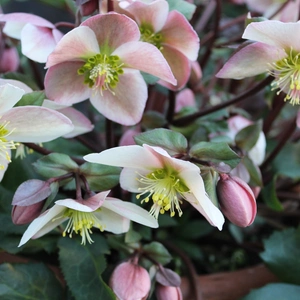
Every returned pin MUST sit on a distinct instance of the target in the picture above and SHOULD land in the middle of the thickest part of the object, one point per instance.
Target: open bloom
(26, 124)
(275, 51)
(100, 60)
(38, 36)
(170, 32)
(99, 211)
(153, 173)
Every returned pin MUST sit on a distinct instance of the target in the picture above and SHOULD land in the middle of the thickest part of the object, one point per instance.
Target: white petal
(131, 211)
(9, 96)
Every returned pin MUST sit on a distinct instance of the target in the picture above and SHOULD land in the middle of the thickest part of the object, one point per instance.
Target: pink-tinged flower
(100, 60)
(154, 174)
(99, 211)
(237, 200)
(128, 137)
(9, 60)
(38, 36)
(129, 281)
(185, 98)
(275, 51)
(26, 124)
(168, 292)
(170, 32)
(289, 13)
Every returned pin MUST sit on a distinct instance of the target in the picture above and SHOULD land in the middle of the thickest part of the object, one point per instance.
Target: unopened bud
(237, 201)
(25, 214)
(129, 281)
(168, 292)
(87, 7)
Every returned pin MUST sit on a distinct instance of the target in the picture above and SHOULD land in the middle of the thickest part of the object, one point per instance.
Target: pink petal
(9, 96)
(35, 124)
(64, 85)
(274, 33)
(78, 44)
(180, 66)
(185, 98)
(154, 14)
(251, 60)
(112, 30)
(37, 42)
(179, 34)
(126, 105)
(147, 58)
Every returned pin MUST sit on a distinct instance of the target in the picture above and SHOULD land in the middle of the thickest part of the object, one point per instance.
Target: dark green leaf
(269, 196)
(28, 281)
(100, 177)
(82, 267)
(282, 253)
(275, 291)
(247, 137)
(158, 252)
(153, 119)
(219, 155)
(171, 141)
(33, 98)
(186, 8)
(254, 172)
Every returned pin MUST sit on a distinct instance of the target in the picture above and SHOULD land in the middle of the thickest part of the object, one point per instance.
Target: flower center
(5, 145)
(148, 35)
(81, 222)
(102, 71)
(287, 76)
(165, 188)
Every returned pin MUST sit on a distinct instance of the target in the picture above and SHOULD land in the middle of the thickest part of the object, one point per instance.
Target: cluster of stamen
(6, 145)
(287, 76)
(149, 36)
(102, 72)
(82, 223)
(165, 188)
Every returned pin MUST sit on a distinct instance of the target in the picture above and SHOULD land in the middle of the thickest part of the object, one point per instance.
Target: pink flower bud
(129, 281)
(88, 7)
(9, 61)
(25, 214)
(168, 292)
(237, 201)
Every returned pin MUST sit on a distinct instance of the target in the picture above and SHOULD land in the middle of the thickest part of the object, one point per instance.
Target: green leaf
(247, 137)
(54, 165)
(269, 196)
(33, 98)
(82, 267)
(171, 141)
(100, 177)
(158, 252)
(186, 8)
(254, 172)
(28, 281)
(210, 179)
(275, 291)
(282, 254)
(219, 155)
(199, 229)
(153, 119)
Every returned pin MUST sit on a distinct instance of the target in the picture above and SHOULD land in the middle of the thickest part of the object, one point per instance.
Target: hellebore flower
(100, 211)
(152, 172)
(129, 281)
(289, 13)
(163, 292)
(26, 124)
(101, 60)
(275, 51)
(170, 32)
(38, 36)
(237, 200)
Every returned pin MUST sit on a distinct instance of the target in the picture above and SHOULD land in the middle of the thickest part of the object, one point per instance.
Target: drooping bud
(25, 214)
(168, 292)
(129, 281)
(87, 7)
(237, 201)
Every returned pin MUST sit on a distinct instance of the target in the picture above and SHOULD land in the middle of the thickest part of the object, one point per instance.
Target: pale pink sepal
(9, 96)
(16, 83)
(126, 105)
(176, 30)
(251, 60)
(81, 43)
(4, 164)
(35, 124)
(147, 58)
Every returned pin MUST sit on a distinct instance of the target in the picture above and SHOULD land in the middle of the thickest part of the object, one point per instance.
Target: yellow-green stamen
(102, 71)
(287, 76)
(148, 35)
(166, 188)
(82, 223)
(5, 145)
